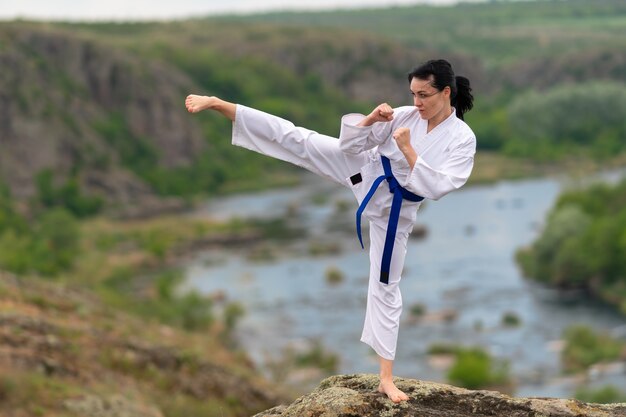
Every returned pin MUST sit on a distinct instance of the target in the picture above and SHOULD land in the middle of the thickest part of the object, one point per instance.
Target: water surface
(464, 265)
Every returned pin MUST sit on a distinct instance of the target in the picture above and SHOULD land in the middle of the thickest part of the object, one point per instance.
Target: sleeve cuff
(406, 183)
(352, 119)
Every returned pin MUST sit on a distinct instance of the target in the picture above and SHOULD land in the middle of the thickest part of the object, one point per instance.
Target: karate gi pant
(320, 154)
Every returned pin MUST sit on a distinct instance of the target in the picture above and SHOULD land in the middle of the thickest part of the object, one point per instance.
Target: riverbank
(463, 271)
(490, 167)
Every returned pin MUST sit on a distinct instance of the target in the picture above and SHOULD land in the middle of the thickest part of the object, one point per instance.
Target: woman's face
(429, 101)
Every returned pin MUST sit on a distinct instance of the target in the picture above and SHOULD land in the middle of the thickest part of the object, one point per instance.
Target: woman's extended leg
(279, 138)
(320, 154)
(384, 306)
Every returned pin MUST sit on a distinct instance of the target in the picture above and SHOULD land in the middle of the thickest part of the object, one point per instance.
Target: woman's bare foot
(388, 388)
(196, 103)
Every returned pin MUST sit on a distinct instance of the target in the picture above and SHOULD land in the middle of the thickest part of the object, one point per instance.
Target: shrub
(584, 347)
(475, 369)
(334, 275)
(318, 357)
(604, 395)
(511, 319)
(68, 196)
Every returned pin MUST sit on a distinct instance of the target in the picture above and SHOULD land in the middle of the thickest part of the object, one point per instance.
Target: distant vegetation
(549, 76)
(604, 395)
(585, 347)
(549, 80)
(46, 245)
(474, 367)
(500, 33)
(583, 244)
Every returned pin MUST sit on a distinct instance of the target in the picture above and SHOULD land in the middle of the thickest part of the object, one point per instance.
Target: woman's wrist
(367, 121)
(410, 155)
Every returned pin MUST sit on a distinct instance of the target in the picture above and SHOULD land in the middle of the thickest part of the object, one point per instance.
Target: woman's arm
(434, 183)
(402, 135)
(382, 113)
(360, 133)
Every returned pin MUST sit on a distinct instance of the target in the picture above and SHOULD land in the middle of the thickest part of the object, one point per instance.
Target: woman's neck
(439, 117)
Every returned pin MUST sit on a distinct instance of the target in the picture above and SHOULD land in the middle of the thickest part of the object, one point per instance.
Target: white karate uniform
(444, 163)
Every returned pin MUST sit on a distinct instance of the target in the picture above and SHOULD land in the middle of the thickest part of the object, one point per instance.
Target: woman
(422, 151)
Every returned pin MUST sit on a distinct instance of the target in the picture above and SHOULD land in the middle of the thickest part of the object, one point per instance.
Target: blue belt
(399, 194)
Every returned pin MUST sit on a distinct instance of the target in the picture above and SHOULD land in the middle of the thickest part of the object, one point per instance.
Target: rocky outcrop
(356, 396)
(76, 106)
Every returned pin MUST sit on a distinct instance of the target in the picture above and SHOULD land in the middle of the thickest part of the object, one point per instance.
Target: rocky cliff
(356, 396)
(74, 106)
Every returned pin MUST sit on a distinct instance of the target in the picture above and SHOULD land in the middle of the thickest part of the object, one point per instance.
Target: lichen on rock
(357, 396)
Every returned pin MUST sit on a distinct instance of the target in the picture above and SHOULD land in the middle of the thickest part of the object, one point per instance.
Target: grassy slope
(67, 354)
(109, 332)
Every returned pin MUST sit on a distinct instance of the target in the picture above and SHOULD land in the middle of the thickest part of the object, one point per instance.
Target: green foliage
(136, 153)
(33, 393)
(511, 319)
(490, 123)
(442, 349)
(277, 228)
(179, 405)
(67, 196)
(544, 124)
(48, 246)
(232, 313)
(567, 119)
(552, 252)
(475, 369)
(499, 32)
(191, 310)
(211, 172)
(417, 310)
(316, 356)
(334, 275)
(583, 244)
(605, 395)
(55, 242)
(10, 220)
(584, 347)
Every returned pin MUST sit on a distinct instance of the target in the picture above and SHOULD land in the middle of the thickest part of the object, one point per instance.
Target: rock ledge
(356, 396)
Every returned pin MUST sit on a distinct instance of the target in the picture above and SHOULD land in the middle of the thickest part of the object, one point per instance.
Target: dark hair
(443, 76)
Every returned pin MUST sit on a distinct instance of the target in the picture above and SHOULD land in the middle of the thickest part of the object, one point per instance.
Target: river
(464, 265)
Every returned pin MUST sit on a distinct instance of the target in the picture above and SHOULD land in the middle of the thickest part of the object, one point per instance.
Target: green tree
(568, 118)
(583, 244)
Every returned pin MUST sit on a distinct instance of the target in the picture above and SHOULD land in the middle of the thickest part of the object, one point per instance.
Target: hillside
(92, 112)
(501, 35)
(64, 353)
(82, 110)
